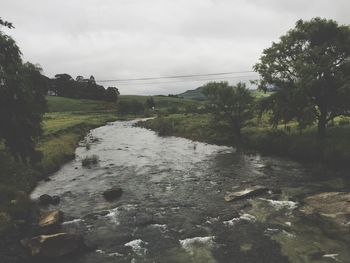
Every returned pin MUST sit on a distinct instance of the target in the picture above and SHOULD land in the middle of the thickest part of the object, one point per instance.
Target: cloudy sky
(119, 39)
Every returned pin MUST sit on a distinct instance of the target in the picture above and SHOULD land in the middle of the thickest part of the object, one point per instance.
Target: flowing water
(173, 208)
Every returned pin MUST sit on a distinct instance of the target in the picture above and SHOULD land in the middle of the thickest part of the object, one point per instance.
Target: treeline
(80, 88)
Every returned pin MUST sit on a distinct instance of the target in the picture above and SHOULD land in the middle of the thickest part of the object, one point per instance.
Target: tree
(232, 104)
(150, 104)
(22, 101)
(112, 94)
(310, 69)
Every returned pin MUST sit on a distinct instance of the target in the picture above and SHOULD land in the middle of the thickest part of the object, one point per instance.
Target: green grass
(61, 104)
(163, 102)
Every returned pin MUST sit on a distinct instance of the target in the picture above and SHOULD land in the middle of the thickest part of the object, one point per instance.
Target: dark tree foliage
(232, 104)
(310, 70)
(22, 101)
(65, 86)
(150, 104)
(112, 94)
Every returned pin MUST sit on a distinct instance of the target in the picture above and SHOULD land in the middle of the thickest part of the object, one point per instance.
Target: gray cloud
(115, 39)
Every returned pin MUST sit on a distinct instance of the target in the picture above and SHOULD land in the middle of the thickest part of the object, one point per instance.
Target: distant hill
(195, 94)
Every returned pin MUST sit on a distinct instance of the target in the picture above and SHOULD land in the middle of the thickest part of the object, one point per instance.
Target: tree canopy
(112, 94)
(232, 104)
(22, 100)
(81, 88)
(309, 69)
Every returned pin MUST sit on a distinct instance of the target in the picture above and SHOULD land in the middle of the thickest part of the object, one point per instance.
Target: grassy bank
(334, 150)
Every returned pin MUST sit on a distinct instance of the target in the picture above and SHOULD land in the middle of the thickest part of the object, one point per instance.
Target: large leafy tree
(231, 104)
(309, 67)
(112, 94)
(22, 100)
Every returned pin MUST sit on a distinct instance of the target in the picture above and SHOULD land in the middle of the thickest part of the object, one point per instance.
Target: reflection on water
(172, 208)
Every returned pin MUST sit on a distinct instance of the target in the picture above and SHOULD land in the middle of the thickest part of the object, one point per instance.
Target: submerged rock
(52, 246)
(248, 192)
(50, 219)
(46, 200)
(333, 205)
(55, 200)
(143, 219)
(113, 193)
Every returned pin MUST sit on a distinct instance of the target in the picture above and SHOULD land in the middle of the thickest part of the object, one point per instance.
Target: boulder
(51, 218)
(45, 199)
(113, 193)
(332, 205)
(246, 193)
(55, 200)
(52, 246)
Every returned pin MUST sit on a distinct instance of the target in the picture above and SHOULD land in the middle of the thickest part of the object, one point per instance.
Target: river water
(173, 208)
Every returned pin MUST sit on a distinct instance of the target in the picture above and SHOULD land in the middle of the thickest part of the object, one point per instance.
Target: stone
(53, 246)
(45, 199)
(333, 205)
(55, 200)
(246, 193)
(113, 193)
(143, 219)
(51, 218)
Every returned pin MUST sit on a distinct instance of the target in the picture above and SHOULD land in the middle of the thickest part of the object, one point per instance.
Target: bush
(344, 122)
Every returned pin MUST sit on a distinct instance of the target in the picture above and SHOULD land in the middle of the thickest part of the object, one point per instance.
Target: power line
(176, 76)
(185, 80)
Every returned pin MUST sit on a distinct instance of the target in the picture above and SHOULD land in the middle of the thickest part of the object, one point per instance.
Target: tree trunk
(237, 131)
(321, 127)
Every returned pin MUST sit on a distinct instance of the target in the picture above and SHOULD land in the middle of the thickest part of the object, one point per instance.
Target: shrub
(344, 122)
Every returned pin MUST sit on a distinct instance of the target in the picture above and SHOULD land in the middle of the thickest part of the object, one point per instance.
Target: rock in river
(248, 192)
(51, 218)
(52, 246)
(333, 205)
(113, 193)
(46, 200)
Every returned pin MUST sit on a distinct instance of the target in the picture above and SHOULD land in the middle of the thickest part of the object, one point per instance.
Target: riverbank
(334, 150)
(62, 132)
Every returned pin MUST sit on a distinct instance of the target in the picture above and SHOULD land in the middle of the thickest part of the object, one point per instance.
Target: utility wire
(185, 80)
(176, 76)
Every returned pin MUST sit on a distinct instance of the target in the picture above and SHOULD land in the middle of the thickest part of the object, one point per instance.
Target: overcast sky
(116, 39)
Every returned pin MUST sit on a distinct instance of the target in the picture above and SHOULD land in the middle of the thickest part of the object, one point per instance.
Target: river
(173, 208)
